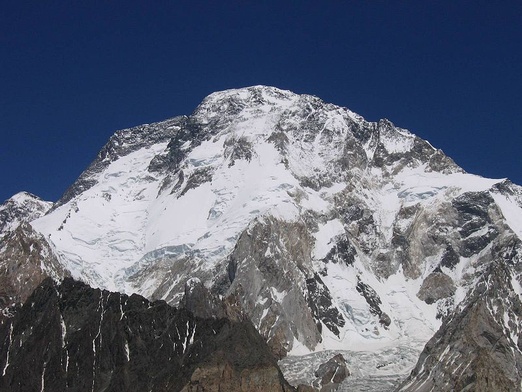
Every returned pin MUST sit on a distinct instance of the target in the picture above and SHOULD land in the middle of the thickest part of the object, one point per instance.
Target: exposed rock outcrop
(25, 261)
(437, 285)
(275, 302)
(331, 374)
(478, 346)
(26, 258)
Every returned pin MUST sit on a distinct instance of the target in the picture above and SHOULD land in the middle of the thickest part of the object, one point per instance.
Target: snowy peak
(319, 131)
(326, 230)
(22, 207)
(234, 100)
(324, 135)
(243, 154)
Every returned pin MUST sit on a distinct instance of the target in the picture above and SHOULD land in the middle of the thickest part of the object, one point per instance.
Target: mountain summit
(329, 233)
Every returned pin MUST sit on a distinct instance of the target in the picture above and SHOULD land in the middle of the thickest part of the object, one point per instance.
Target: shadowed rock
(71, 337)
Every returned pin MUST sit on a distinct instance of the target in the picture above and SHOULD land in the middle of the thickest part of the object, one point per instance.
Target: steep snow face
(330, 231)
(101, 231)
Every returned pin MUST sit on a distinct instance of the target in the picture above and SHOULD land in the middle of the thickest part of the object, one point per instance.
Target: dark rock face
(196, 179)
(373, 300)
(342, 252)
(420, 151)
(71, 337)
(450, 258)
(320, 302)
(474, 216)
(332, 373)
(200, 301)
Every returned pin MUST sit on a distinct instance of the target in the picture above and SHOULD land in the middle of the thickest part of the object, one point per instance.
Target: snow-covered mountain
(328, 232)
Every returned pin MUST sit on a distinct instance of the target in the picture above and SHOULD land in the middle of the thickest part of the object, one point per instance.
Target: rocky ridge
(71, 337)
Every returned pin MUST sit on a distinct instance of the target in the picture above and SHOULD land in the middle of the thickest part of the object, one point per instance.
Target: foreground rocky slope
(478, 347)
(26, 258)
(327, 231)
(71, 337)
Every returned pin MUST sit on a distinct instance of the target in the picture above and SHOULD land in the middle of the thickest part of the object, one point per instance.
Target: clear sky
(72, 72)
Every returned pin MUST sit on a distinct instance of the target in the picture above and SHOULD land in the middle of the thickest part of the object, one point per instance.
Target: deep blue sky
(71, 72)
